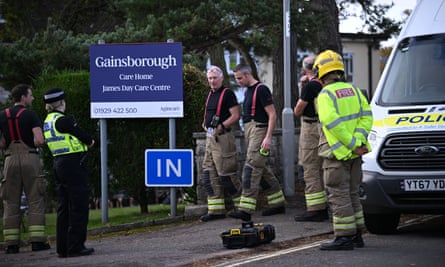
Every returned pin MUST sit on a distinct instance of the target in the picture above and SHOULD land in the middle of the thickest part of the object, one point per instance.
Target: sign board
(142, 80)
(169, 167)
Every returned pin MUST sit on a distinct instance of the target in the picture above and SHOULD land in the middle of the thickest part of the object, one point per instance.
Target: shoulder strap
(14, 131)
(218, 108)
(252, 110)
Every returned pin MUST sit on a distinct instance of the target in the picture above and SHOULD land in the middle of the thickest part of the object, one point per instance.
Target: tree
(25, 18)
(316, 31)
(251, 27)
(373, 16)
(207, 26)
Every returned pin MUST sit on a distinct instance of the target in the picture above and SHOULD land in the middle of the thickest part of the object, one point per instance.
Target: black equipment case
(249, 235)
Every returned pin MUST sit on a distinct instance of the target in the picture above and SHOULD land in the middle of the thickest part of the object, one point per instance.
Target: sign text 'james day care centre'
(141, 80)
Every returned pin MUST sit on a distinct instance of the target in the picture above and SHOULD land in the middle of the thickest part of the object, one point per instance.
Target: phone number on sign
(114, 110)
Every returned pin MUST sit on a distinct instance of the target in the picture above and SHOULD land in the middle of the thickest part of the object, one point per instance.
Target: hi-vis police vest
(346, 119)
(60, 143)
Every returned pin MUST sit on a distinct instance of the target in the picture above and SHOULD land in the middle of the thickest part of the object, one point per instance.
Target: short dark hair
(20, 90)
(242, 68)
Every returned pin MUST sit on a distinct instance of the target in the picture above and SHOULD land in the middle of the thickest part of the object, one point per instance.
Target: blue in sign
(169, 167)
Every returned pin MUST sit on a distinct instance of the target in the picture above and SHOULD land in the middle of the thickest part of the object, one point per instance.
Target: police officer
(219, 166)
(259, 118)
(315, 194)
(22, 134)
(68, 144)
(346, 120)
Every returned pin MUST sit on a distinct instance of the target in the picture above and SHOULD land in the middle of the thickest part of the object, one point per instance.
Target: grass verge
(116, 216)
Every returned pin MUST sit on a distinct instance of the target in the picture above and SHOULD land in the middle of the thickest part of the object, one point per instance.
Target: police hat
(53, 95)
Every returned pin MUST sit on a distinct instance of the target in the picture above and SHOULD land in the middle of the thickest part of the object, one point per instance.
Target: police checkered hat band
(53, 95)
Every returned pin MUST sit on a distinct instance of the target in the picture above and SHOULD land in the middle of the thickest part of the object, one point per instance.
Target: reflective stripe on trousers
(247, 204)
(275, 199)
(215, 205)
(36, 231)
(316, 199)
(11, 235)
(346, 224)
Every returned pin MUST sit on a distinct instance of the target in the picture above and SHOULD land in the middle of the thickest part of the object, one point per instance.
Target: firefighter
(259, 117)
(314, 191)
(219, 166)
(68, 144)
(22, 134)
(346, 119)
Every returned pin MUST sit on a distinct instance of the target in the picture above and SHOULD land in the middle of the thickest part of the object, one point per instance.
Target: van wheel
(381, 224)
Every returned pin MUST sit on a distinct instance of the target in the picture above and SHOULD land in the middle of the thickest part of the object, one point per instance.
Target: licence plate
(424, 184)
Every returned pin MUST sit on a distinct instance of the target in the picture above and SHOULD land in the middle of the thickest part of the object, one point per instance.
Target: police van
(405, 172)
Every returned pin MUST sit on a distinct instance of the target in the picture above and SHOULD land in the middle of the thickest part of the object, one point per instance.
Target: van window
(417, 73)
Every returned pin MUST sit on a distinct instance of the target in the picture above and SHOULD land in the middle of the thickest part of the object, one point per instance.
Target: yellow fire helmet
(328, 61)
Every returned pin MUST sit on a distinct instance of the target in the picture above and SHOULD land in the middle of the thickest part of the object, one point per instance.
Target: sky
(396, 12)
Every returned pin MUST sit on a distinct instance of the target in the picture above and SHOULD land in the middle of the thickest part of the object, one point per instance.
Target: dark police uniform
(68, 145)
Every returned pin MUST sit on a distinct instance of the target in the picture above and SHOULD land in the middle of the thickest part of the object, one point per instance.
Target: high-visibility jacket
(346, 118)
(60, 143)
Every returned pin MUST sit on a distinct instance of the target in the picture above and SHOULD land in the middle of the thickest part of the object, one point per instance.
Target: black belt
(225, 130)
(258, 125)
(310, 121)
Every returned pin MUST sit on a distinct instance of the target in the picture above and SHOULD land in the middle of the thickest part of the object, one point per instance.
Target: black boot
(38, 246)
(12, 249)
(357, 240)
(313, 216)
(211, 217)
(273, 211)
(83, 252)
(240, 215)
(339, 243)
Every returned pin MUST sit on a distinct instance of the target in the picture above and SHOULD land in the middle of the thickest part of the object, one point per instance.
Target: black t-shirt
(28, 120)
(263, 98)
(228, 101)
(309, 92)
